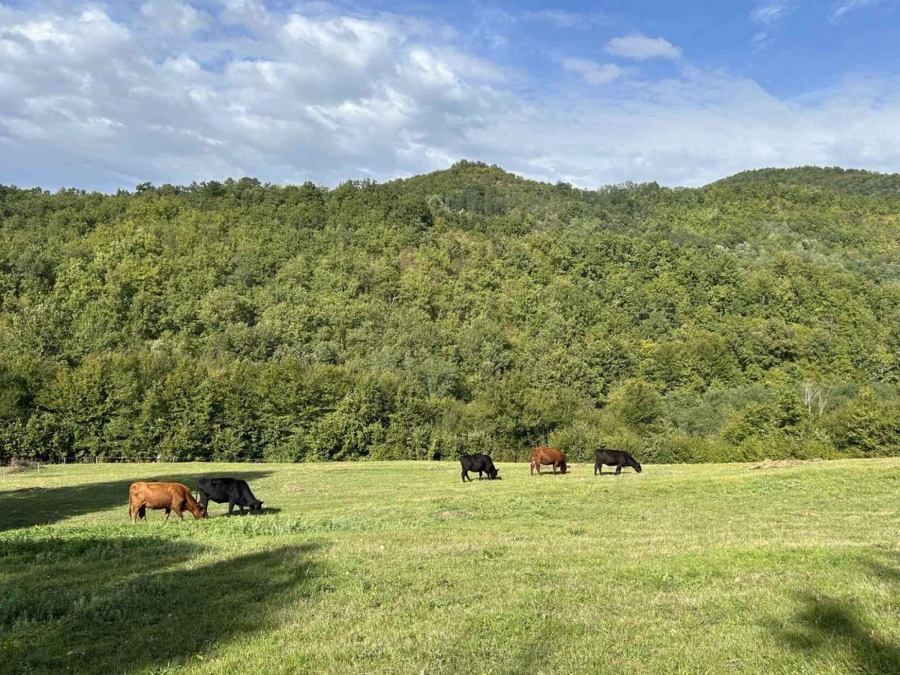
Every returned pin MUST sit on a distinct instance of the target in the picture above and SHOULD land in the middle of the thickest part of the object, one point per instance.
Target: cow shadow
(26, 507)
(135, 602)
(826, 627)
(222, 511)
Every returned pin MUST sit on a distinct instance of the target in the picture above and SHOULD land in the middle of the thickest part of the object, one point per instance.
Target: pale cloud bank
(593, 73)
(93, 101)
(566, 19)
(772, 11)
(641, 48)
(843, 6)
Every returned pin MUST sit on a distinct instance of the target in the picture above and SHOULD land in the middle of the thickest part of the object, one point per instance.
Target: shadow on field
(222, 511)
(109, 605)
(830, 626)
(40, 506)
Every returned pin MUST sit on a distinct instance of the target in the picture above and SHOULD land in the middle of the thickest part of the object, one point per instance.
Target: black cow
(479, 463)
(233, 491)
(616, 458)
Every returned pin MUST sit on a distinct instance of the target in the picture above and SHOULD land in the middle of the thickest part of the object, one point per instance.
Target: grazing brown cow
(545, 456)
(169, 496)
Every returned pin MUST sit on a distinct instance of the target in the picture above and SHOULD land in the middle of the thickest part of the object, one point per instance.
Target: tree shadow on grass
(110, 605)
(40, 506)
(828, 627)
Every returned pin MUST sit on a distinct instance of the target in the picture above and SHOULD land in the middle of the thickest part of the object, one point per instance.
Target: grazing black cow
(479, 463)
(616, 458)
(233, 491)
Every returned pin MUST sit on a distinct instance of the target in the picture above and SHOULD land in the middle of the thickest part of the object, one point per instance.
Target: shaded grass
(399, 567)
(37, 504)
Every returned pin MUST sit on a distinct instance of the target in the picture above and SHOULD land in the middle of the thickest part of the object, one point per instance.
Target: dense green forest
(468, 310)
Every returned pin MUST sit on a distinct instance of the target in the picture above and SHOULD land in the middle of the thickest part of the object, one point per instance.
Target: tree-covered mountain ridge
(466, 310)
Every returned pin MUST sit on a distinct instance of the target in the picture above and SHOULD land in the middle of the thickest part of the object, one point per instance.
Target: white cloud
(760, 41)
(325, 96)
(843, 6)
(83, 35)
(771, 11)
(641, 48)
(174, 16)
(566, 19)
(593, 73)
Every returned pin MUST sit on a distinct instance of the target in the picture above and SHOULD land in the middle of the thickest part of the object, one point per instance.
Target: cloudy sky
(103, 95)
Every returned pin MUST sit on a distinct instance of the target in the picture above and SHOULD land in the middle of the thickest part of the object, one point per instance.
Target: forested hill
(467, 310)
(847, 181)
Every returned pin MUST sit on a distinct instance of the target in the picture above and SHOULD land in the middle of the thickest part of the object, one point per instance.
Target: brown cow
(545, 456)
(169, 496)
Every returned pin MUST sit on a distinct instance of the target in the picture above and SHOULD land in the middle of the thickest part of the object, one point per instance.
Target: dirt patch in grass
(780, 463)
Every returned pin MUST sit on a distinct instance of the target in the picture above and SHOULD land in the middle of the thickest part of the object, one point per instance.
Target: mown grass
(400, 568)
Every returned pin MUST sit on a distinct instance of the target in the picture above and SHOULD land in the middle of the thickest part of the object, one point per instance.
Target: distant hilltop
(847, 181)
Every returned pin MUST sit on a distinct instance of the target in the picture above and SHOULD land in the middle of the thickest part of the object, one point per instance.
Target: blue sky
(103, 95)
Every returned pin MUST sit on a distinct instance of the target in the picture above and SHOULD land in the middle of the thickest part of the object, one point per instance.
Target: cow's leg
(230, 508)
(598, 469)
(532, 468)
(463, 474)
(554, 468)
(142, 512)
(619, 468)
(168, 511)
(132, 512)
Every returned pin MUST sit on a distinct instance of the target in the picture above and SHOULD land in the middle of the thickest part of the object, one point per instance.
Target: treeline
(467, 310)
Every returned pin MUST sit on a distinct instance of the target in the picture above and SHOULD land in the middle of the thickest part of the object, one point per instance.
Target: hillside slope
(845, 181)
(463, 310)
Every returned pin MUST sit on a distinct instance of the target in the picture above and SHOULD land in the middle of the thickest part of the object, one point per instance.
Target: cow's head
(635, 465)
(198, 511)
(563, 467)
(256, 507)
(492, 474)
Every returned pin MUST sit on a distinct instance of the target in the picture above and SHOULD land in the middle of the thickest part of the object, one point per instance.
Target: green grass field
(400, 568)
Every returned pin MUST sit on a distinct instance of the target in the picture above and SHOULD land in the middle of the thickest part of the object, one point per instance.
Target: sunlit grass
(401, 568)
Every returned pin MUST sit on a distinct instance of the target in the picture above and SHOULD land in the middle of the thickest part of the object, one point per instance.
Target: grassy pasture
(400, 568)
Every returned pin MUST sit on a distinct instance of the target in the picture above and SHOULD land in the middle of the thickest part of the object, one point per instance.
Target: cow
(616, 458)
(233, 491)
(479, 463)
(169, 496)
(543, 456)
